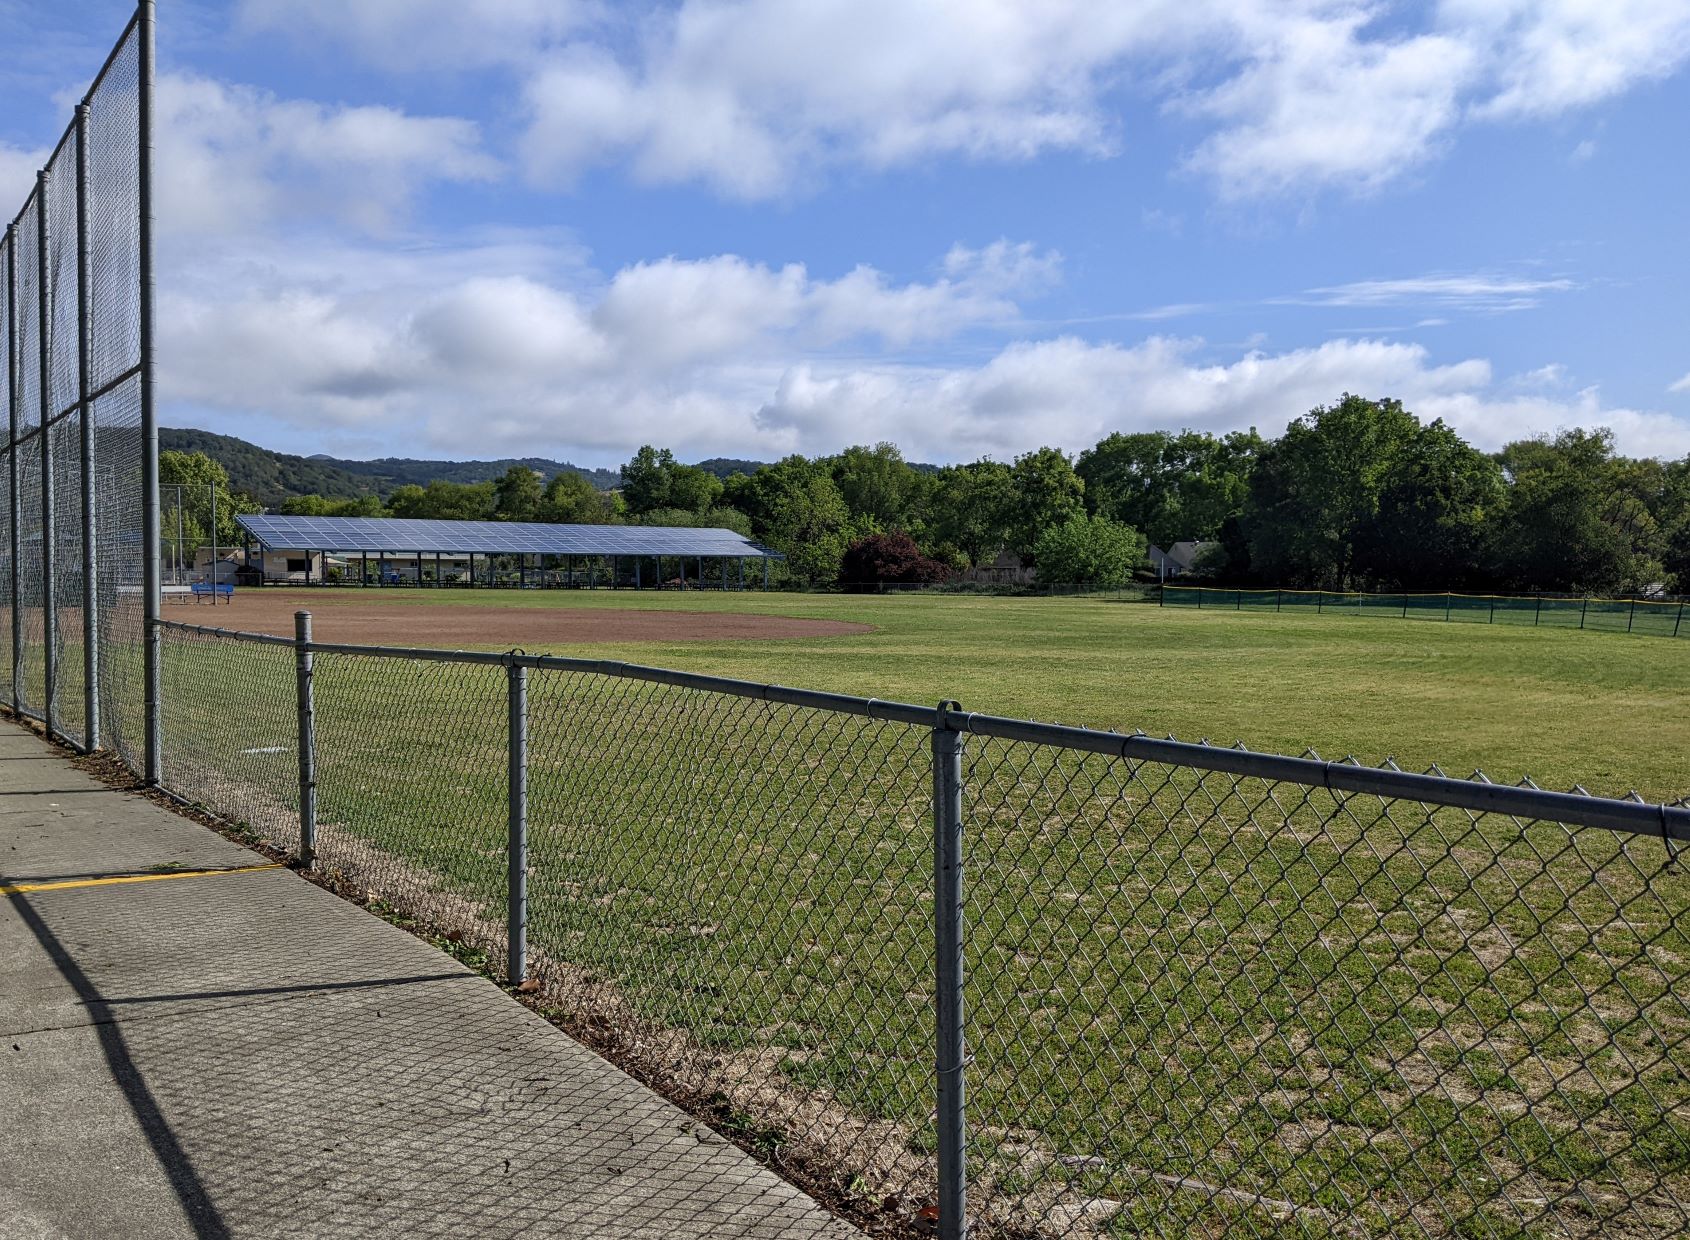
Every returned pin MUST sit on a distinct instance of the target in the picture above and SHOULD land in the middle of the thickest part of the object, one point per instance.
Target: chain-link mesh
(1207, 1004)
(738, 895)
(1196, 1003)
(75, 314)
(229, 711)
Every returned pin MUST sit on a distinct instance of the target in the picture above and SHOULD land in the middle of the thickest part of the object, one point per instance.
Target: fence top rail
(1525, 802)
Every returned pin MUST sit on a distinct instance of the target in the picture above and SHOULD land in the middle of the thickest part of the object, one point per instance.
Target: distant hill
(724, 466)
(270, 477)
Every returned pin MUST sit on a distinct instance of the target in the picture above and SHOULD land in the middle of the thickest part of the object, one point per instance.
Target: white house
(1178, 560)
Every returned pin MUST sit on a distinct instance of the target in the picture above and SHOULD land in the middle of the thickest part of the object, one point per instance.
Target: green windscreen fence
(1652, 617)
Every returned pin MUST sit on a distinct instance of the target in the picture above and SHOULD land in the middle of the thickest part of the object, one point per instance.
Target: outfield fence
(1055, 981)
(1652, 616)
(80, 455)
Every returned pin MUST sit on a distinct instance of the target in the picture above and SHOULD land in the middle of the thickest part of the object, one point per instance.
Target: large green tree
(655, 479)
(795, 506)
(1578, 517)
(1170, 486)
(517, 495)
(572, 499)
(1048, 493)
(1088, 550)
(318, 506)
(1435, 500)
(186, 481)
(1314, 493)
(443, 501)
(972, 508)
(878, 484)
(1675, 525)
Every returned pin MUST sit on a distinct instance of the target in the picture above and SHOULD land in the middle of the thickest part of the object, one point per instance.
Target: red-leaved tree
(889, 559)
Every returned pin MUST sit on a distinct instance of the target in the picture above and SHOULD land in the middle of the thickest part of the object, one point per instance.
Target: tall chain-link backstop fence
(80, 454)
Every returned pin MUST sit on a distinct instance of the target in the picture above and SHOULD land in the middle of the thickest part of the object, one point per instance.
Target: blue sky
(482, 227)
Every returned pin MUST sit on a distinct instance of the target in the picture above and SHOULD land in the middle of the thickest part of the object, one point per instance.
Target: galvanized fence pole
(13, 391)
(44, 338)
(84, 383)
(1631, 615)
(151, 591)
(948, 977)
(1676, 623)
(1584, 609)
(1537, 616)
(516, 926)
(303, 673)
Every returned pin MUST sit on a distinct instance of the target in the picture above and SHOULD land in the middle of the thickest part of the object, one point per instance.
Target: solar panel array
(409, 537)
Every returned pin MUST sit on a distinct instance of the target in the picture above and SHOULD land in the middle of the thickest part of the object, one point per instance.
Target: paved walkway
(243, 1054)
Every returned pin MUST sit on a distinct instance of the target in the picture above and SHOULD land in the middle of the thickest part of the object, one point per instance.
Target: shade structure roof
(409, 537)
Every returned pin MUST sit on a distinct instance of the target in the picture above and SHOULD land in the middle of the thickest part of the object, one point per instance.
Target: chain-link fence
(78, 458)
(1653, 617)
(1100, 984)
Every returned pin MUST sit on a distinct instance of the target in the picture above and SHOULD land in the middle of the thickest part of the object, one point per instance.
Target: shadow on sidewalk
(297, 1077)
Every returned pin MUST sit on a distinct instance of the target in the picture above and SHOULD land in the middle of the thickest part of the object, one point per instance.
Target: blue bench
(213, 590)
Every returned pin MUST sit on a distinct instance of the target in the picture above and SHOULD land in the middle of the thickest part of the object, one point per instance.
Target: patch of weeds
(744, 1127)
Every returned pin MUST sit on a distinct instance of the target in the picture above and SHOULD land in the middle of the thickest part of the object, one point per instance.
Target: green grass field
(1199, 1006)
(1561, 706)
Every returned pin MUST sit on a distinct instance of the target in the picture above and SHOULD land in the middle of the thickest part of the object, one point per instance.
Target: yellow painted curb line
(21, 888)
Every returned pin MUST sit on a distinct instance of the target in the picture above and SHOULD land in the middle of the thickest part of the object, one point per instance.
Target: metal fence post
(1631, 615)
(303, 671)
(13, 390)
(948, 979)
(151, 593)
(1537, 616)
(84, 382)
(44, 339)
(1584, 609)
(1676, 623)
(516, 927)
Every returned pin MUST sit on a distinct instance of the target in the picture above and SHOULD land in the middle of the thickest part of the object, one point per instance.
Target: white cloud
(18, 167)
(1554, 55)
(1319, 103)
(484, 351)
(1683, 385)
(756, 97)
(752, 95)
(1475, 291)
(424, 34)
(235, 158)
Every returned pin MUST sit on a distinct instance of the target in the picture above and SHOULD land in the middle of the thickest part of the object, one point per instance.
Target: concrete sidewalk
(243, 1054)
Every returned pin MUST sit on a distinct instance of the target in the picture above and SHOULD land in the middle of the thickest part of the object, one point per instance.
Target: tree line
(1359, 494)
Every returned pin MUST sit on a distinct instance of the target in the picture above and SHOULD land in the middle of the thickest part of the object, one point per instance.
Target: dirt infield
(348, 616)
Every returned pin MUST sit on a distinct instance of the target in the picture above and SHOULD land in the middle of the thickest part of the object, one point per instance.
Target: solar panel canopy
(409, 537)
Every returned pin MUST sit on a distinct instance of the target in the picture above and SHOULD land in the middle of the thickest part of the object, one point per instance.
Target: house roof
(396, 534)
